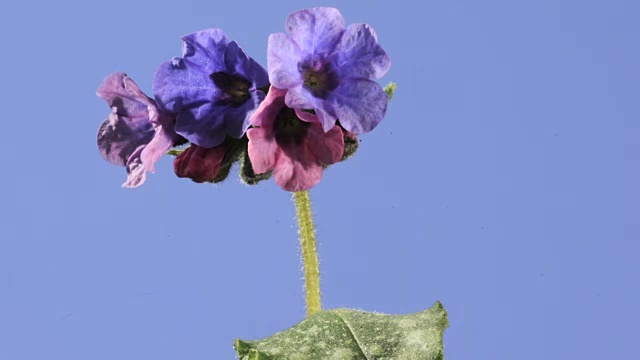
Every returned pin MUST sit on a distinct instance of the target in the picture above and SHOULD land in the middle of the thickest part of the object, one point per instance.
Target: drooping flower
(330, 69)
(136, 134)
(213, 88)
(292, 143)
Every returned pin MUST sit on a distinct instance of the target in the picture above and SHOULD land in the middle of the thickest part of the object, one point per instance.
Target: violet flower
(213, 88)
(135, 134)
(330, 69)
(292, 143)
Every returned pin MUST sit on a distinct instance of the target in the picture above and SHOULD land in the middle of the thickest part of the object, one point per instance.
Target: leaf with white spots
(346, 334)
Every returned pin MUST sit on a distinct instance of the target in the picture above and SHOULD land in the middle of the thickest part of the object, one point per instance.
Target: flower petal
(269, 108)
(316, 30)
(307, 116)
(237, 119)
(359, 55)
(300, 98)
(283, 56)
(326, 119)
(202, 125)
(359, 104)
(124, 96)
(238, 63)
(178, 85)
(263, 149)
(163, 140)
(119, 136)
(136, 172)
(297, 169)
(327, 147)
(205, 50)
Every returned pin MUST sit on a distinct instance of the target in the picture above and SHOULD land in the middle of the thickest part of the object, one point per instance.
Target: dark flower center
(289, 130)
(318, 78)
(235, 88)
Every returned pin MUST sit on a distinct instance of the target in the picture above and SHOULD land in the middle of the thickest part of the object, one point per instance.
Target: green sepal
(176, 152)
(354, 335)
(351, 144)
(247, 174)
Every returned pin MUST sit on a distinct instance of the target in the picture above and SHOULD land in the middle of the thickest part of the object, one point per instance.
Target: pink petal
(158, 146)
(297, 170)
(263, 149)
(266, 113)
(327, 147)
(136, 172)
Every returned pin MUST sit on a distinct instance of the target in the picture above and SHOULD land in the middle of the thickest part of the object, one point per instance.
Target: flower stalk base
(309, 252)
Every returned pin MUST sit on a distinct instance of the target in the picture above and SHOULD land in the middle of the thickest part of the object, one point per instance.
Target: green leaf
(390, 89)
(354, 335)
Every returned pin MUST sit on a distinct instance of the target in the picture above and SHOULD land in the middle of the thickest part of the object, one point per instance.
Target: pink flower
(292, 143)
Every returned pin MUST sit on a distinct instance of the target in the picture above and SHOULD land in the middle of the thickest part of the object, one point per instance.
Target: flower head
(292, 143)
(213, 88)
(330, 68)
(135, 134)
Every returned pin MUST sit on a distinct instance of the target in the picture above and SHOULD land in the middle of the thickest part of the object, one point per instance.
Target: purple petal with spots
(177, 86)
(283, 56)
(359, 55)
(359, 104)
(205, 49)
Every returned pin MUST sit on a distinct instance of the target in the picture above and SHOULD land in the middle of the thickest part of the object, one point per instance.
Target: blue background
(503, 182)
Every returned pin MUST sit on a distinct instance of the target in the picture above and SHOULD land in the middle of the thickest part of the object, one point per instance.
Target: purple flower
(330, 69)
(135, 134)
(292, 143)
(213, 88)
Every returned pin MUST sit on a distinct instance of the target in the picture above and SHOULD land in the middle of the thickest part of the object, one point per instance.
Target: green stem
(309, 252)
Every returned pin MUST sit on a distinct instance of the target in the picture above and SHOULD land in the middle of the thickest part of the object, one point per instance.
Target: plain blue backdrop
(503, 182)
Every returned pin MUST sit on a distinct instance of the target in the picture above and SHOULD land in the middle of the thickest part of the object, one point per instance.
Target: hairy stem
(309, 252)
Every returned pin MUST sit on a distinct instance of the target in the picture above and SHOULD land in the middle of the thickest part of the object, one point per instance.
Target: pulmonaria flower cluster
(291, 121)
